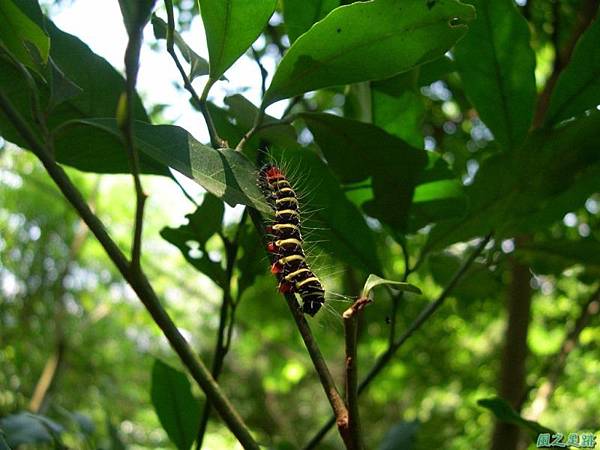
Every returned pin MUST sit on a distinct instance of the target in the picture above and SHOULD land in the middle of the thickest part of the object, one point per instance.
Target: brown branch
(125, 118)
(215, 140)
(136, 279)
(333, 396)
(425, 314)
(350, 333)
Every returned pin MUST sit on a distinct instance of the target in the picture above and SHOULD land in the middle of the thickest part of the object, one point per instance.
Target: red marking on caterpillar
(290, 266)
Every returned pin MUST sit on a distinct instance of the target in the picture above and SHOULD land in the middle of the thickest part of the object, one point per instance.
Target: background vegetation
(451, 145)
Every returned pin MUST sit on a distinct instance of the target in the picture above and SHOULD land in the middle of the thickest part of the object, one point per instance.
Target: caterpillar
(289, 266)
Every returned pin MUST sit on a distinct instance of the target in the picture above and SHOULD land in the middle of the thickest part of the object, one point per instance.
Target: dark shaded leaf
(191, 238)
(136, 13)
(61, 87)
(392, 37)
(401, 436)
(300, 15)
(496, 64)
(578, 87)
(198, 65)
(177, 409)
(252, 261)
(356, 151)
(231, 27)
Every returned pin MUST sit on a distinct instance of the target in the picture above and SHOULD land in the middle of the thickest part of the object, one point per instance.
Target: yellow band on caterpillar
(287, 259)
(308, 280)
(286, 189)
(286, 199)
(297, 272)
(287, 211)
(281, 226)
(284, 242)
(278, 182)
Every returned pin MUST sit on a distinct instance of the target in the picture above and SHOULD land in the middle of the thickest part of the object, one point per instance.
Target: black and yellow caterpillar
(289, 266)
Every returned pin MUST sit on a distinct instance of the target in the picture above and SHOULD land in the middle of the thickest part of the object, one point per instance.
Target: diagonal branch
(425, 314)
(136, 279)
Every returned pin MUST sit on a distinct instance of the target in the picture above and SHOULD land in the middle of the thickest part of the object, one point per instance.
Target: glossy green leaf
(22, 37)
(300, 15)
(198, 65)
(231, 27)
(401, 436)
(373, 281)
(177, 409)
(496, 64)
(529, 189)
(191, 238)
(356, 151)
(224, 173)
(393, 37)
(505, 413)
(335, 223)
(578, 88)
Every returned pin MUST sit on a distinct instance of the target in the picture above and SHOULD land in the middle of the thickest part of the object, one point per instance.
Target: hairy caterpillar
(290, 266)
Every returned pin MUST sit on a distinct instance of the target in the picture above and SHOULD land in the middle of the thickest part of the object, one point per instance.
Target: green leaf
(300, 15)
(231, 27)
(391, 37)
(177, 409)
(191, 238)
(335, 223)
(505, 413)
(356, 151)
(22, 37)
(198, 65)
(578, 87)
(26, 428)
(251, 263)
(496, 64)
(401, 436)
(224, 173)
(116, 443)
(61, 87)
(373, 281)
(527, 190)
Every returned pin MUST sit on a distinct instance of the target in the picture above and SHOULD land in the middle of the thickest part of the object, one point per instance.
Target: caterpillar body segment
(289, 266)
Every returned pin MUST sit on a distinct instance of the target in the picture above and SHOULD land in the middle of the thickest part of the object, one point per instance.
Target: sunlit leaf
(177, 409)
(373, 281)
(496, 64)
(231, 27)
(392, 37)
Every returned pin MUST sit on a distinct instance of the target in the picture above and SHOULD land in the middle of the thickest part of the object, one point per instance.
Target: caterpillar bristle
(289, 259)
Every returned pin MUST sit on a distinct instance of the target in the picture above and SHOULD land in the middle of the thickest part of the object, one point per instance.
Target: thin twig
(255, 127)
(263, 72)
(226, 321)
(350, 333)
(331, 391)
(386, 357)
(136, 279)
(132, 56)
(200, 101)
